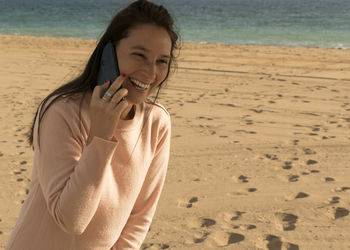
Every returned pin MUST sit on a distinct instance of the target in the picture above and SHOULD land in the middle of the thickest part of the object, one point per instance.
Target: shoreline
(185, 42)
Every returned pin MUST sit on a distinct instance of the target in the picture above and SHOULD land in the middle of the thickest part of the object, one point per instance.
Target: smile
(139, 85)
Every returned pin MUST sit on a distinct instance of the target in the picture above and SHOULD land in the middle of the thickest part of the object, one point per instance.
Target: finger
(119, 95)
(117, 84)
(121, 106)
(99, 90)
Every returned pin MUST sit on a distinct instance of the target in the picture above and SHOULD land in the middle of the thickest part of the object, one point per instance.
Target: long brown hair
(136, 13)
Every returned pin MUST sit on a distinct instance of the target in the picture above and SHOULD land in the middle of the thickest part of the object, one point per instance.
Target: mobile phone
(108, 66)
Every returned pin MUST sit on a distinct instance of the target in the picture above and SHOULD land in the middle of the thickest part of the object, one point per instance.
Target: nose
(150, 72)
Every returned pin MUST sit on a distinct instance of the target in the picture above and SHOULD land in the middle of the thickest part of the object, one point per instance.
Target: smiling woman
(100, 163)
(144, 60)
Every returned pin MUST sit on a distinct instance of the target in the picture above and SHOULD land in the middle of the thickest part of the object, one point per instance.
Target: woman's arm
(70, 174)
(140, 219)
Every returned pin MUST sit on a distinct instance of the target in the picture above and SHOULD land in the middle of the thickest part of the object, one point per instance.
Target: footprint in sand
(241, 178)
(227, 104)
(257, 110)
(275, 243)
(337, 212)
(200, 237)
(271, 157)
(208, 222)
(223, 136)
(199, 222)
(311, 162)
(189, 203)
(245, 131)
(334, 200)
(287, 165)
(205, 118)
(329, 179)
(293, 178)
(340, 212)
(249, 227)
(340, 189)
(234, 238)
(154, 246)
(223, 239)
(251, 190)
(301, 195)
(192, 200)
(286, 222)
(249, 122)
(294, 196)
(237, 215)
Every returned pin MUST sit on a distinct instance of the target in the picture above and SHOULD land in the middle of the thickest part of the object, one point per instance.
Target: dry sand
(260, 143)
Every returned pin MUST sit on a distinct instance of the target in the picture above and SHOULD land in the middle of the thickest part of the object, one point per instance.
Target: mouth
(140, 86)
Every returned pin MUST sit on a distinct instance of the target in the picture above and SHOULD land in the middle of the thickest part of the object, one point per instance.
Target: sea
(297, 23)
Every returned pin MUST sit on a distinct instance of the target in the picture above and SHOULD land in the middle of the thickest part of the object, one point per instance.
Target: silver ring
(108, 94)
(104, 98)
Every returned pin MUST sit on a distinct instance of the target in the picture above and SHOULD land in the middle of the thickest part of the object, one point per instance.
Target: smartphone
(108, 66)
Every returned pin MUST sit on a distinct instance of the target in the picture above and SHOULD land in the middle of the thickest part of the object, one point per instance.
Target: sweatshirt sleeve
(140, 219)
(70, 174)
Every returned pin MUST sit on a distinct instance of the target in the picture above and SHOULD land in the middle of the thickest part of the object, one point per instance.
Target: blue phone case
(108, 65)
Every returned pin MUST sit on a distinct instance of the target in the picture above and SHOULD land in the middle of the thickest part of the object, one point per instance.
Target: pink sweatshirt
(100, 197)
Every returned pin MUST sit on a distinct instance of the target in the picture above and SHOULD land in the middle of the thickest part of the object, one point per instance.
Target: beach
(260, 144)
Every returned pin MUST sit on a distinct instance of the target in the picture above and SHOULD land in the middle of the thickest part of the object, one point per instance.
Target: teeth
(139, 84)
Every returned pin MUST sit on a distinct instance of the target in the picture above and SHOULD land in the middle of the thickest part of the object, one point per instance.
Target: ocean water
(301, 23)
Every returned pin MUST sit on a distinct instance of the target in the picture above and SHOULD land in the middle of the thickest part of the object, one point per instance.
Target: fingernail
(107, 81)
(123, 75)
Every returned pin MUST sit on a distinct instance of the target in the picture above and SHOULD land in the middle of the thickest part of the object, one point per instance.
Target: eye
(139, 54)
(163, 61)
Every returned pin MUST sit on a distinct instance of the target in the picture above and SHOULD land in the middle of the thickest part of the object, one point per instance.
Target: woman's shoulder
(159, 113)
(65, 105)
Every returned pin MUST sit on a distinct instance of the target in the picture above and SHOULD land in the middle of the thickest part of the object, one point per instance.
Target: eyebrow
(147, 50)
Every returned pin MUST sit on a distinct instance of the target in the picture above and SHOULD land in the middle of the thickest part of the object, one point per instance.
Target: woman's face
(143, 57)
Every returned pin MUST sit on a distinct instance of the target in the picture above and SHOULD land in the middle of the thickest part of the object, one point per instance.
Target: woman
(100, 163)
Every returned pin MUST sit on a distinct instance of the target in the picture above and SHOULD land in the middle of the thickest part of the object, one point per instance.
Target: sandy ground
(260, 143)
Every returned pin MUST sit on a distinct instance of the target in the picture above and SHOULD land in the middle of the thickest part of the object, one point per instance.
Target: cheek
(126, 66)
(163, 73)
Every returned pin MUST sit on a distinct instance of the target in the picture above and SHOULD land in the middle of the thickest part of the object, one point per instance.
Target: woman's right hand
(105, 114)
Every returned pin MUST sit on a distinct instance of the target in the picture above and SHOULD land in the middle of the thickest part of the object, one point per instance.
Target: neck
(129, 112)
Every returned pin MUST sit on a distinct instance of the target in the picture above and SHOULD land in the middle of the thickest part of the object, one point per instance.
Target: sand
(260, 142)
